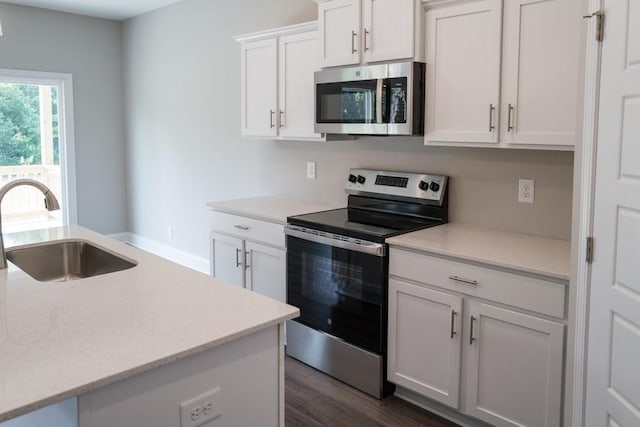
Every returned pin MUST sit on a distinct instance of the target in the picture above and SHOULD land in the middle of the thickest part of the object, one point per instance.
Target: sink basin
(66, 260)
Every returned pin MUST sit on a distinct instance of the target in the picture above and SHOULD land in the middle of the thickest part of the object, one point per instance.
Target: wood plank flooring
(315, 399)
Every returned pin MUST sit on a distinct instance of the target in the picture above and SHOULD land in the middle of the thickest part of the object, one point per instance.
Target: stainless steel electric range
(337, 272)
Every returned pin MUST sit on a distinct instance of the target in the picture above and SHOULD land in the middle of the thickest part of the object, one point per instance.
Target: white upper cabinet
(463, 72)
(339, 23)
(540, 71)
(298, 61)
(505, 73)
(277, 89)
(363, 31)
(259, 91)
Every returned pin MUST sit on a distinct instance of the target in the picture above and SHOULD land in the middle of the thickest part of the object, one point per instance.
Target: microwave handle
(379, 89)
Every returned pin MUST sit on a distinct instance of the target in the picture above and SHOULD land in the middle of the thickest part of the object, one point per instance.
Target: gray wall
(182, 74)
(91, 50)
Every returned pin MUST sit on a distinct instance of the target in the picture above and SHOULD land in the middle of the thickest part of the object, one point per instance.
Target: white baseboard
(165, 251)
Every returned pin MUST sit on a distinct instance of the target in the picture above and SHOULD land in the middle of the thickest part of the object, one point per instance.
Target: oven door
(339, 285)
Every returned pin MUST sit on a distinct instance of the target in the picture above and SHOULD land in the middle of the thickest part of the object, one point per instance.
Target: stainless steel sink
(66, 260)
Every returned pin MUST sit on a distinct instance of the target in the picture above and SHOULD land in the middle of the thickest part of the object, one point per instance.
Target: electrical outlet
(526, 190)
(311, 170)
(201, 409)
(170, 233)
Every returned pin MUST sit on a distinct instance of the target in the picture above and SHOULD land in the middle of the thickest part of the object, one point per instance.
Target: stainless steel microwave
(384, 99)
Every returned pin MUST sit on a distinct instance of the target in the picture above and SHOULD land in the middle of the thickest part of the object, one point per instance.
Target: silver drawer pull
(238, 262)
(463, 280)
(471, 337)
(241, 227)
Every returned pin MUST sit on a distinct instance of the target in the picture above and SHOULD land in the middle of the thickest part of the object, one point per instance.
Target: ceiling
(110, 9)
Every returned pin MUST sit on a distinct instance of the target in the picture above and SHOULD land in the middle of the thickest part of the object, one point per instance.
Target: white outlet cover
(526, 190)
(311, 170)
(205, 407)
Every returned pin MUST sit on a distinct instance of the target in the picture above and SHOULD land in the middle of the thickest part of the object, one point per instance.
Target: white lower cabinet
(424, 341)
(514, 367)
(448, 343)
(249, 253)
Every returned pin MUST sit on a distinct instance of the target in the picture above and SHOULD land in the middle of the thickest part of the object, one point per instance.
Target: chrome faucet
(50, 202)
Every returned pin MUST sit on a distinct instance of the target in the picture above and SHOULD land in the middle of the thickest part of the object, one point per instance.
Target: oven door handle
(348, 243)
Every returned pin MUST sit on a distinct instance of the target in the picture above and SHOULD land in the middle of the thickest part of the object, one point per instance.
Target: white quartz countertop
(272, 209)
(521, 252)
(59, 340)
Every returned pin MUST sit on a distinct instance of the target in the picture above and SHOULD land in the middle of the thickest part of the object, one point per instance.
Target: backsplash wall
(483, 188)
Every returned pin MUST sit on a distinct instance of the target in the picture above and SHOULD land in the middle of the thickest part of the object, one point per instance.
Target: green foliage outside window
(20, 125)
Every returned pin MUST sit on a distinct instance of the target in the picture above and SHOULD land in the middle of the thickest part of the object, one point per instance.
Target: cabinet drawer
(516, 290)
(247, 228)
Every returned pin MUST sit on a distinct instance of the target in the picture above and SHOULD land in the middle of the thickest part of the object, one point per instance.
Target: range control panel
(400, 184)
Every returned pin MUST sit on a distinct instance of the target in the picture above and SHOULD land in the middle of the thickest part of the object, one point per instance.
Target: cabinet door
(259, 77)
(298, 56)
(388, 29)
(463, 72)
(339, 24)
(540, 71)
(424, 341)
(227, 258)
(514, 367)
(265, 270)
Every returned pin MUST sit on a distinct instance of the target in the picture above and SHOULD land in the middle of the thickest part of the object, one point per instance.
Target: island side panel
(247, 371)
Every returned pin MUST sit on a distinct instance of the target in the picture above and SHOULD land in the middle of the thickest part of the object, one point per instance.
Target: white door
(227, 258)
(424, 341)
(613, 374)
(266, 270)
(388, 30)
(339, 25)
(259, 92)
(514, 367)
(463, 72)
(540, 60)
(298, 58)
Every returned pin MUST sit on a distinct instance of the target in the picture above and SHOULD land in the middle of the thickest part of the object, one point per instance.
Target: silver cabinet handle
(241, 227)
(238, 263)
(353, 42)
(271, 114)
(492, 109)
(471, 337)
(366, 34)
(281, 118)
(510, 117)
(463, 280)
(247, 254)
(453, 319)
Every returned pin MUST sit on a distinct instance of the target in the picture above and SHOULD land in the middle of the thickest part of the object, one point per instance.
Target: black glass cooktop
(363, 224)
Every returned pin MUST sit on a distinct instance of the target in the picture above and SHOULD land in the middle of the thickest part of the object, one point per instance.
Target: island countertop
(58, 340)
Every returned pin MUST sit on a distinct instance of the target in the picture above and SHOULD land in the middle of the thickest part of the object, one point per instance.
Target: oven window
(346, 102)
(338, 291)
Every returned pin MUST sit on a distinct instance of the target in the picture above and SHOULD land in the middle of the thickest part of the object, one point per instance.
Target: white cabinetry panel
(514, 368)
(424, 341)
(259, 75)
(463, 72)
(266, 270)
(227, 258)
(339, 22)
(387, 29)
(540, 71)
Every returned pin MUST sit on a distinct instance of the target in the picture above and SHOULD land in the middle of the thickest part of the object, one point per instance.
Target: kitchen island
(136, 344)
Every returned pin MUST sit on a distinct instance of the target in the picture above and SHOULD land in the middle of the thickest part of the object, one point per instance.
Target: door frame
(583, 208)
(64, 83)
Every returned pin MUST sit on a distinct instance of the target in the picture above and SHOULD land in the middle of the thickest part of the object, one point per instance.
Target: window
(35, 142)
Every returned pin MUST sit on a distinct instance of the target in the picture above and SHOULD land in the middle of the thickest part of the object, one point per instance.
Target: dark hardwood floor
(315, 399)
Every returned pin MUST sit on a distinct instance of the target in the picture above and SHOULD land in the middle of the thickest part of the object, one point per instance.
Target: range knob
(424, 186)
(361, 179)
(352, 178)
(434, 187)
